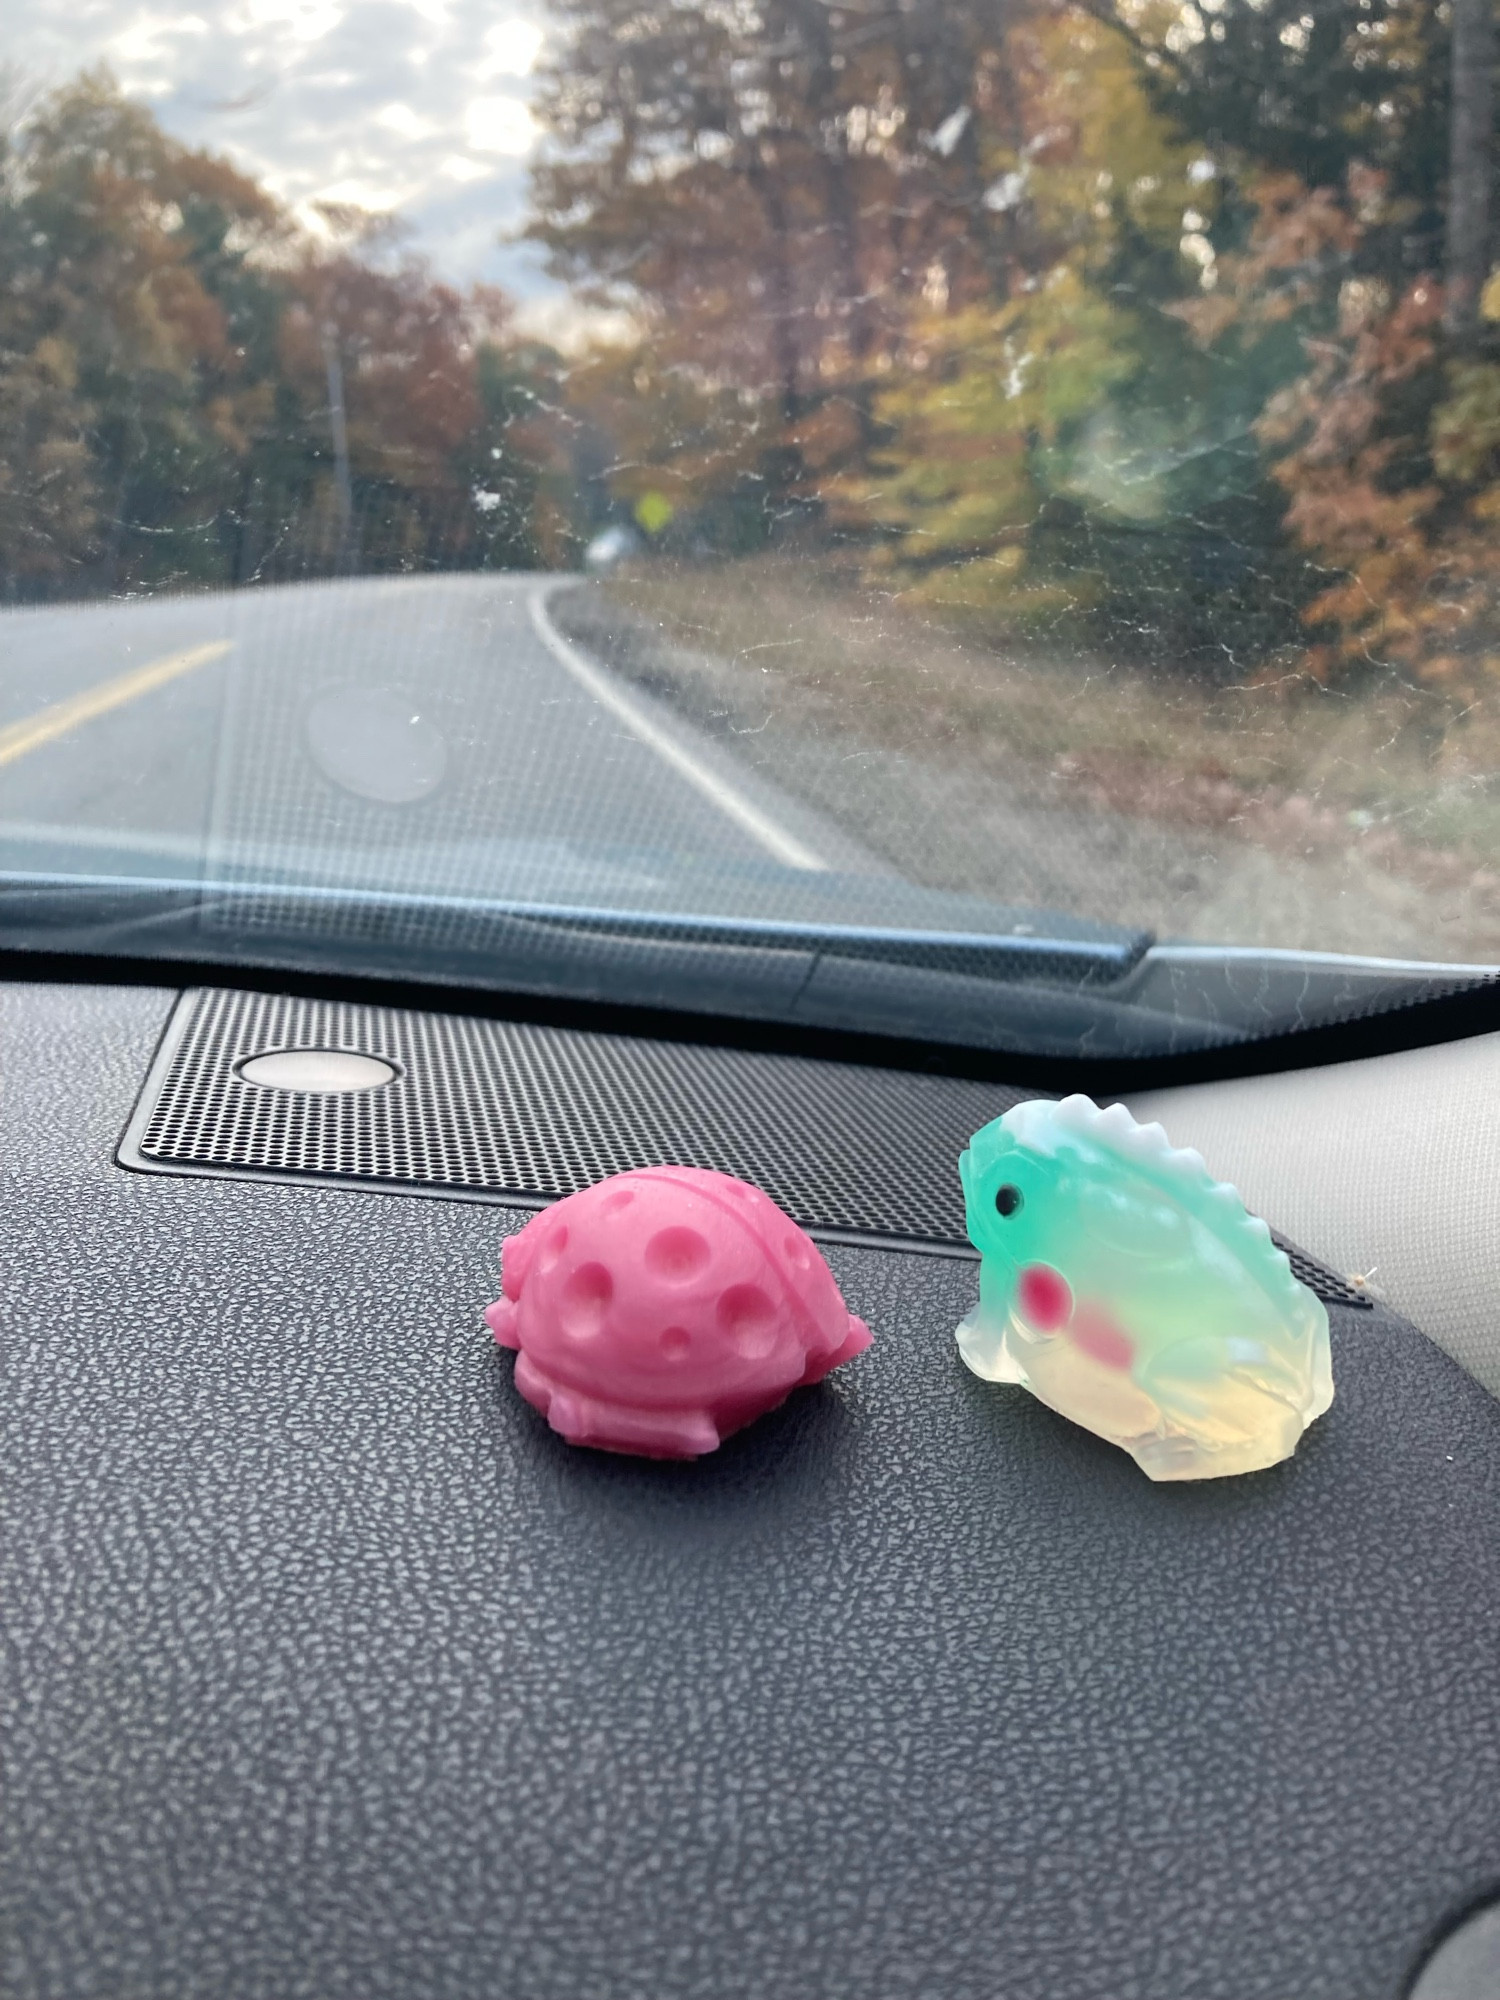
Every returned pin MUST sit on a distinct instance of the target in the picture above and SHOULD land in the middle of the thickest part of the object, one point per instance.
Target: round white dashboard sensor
(325, 1071)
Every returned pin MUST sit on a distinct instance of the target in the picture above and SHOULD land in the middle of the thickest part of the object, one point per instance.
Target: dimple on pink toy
(660, 1310)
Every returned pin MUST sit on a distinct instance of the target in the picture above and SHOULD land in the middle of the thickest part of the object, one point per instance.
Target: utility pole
(1470, 163)
(347, 558)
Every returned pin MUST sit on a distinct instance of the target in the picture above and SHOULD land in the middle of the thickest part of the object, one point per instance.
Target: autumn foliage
(1123, 324)
(1127, 325)
(169, 343)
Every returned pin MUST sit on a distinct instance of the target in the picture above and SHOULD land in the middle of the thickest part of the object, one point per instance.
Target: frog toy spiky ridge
(1132, 1292)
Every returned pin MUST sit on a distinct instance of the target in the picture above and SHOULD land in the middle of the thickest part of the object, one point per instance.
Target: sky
(418, 106)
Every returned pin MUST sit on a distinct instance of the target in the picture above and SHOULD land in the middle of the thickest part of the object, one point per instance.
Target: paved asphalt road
(408, 733)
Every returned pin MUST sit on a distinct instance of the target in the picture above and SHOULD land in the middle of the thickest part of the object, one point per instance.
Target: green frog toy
(1130, 1291)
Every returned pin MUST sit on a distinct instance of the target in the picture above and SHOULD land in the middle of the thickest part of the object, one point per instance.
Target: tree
(120, 238)
(167, 340)
(1172, 316)
(1471, 168)
(771, 192)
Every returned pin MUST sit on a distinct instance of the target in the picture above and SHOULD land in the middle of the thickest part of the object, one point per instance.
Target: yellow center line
(32, 731)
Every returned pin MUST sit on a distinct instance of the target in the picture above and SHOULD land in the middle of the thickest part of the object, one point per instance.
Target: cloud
(499, 125)
(420, 105)
(405, 123)
(510, 48)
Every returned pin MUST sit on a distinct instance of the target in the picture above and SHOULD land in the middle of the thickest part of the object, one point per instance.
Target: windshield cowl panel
(1122, 999)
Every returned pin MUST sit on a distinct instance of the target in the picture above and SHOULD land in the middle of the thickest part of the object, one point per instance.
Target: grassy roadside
(1260, 814)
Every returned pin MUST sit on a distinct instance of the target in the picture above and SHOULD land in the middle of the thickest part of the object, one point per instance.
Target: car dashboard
(332, 1671)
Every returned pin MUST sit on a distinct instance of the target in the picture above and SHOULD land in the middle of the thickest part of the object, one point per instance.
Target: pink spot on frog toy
(658, 1311)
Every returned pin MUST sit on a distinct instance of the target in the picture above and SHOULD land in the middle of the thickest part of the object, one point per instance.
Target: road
(408, 734)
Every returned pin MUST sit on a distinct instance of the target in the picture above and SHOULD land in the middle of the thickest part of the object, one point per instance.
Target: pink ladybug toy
(660, 1310)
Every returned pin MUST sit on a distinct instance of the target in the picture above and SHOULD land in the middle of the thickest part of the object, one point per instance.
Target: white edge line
(777, 842)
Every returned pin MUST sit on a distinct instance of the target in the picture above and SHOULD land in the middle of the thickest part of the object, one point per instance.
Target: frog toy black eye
(1008, 1198)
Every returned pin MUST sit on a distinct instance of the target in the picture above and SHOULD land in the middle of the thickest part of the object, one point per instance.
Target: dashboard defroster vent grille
(506, 1111)
(510, 1112)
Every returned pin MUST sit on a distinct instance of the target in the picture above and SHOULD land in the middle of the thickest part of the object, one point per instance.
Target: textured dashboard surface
(329, 1672)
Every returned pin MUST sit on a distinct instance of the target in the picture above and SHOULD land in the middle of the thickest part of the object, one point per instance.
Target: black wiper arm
(981, 955)
(992, 990)
(112, 909)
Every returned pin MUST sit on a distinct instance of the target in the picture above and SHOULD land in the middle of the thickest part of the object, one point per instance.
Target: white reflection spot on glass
(374, 743)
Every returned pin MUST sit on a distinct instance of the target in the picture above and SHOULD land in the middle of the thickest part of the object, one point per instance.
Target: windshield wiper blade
(1021, 991)
(115, 907)
(996, 955)
(1097, 993)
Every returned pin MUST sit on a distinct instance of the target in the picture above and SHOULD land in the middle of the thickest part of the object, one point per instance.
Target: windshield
(978, 523)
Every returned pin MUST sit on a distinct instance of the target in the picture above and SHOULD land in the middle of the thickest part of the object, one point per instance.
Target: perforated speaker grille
(505, 1111)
